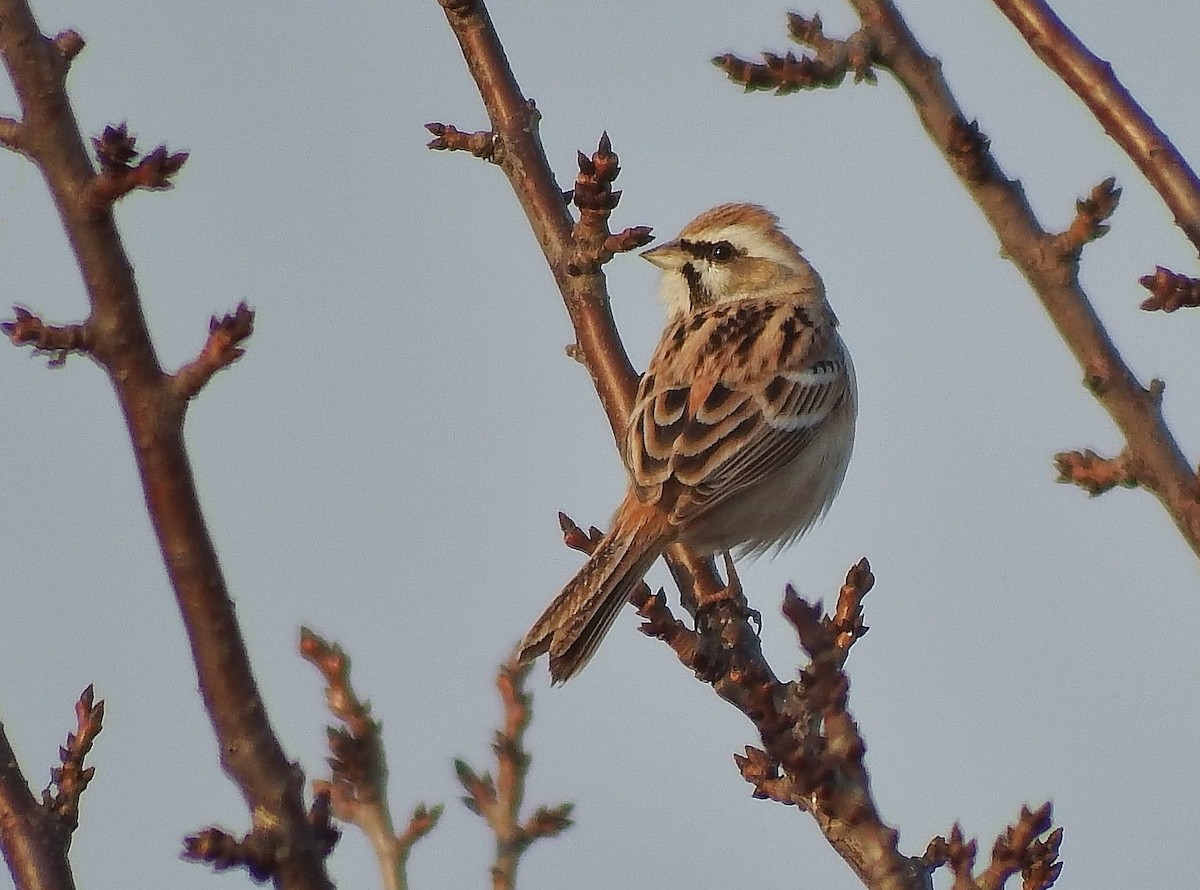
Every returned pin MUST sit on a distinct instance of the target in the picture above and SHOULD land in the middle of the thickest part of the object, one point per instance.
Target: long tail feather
(574, 624)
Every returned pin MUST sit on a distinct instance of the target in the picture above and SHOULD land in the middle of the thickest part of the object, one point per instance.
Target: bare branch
(221, 350)
(58, 340)
(1093, 80)
(34, 838)
(1093, 473)
(1162, 468)
(831, 61)
(519, 153)
(117, 337)
(499, 801)
(115, 149)
(357, 789)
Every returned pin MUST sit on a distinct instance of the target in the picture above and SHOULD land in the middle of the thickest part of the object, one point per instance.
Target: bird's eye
(722, 252)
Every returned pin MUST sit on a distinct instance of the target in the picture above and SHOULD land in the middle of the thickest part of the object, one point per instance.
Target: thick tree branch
(154, 410)
(1093, 80)
(517, 150)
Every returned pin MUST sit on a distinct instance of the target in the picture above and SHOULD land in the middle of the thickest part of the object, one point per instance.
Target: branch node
(68, 44)
(221, 349)
(969, 150)
(596, 199)
(57, 340)
(118, 176)
(1089, 222)
(482, 144)
(1093, 473)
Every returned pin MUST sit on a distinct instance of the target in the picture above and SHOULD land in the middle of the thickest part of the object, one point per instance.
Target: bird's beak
(668, 256)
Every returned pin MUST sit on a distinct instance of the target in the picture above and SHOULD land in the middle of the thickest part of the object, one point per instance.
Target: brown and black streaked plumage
(742, 427)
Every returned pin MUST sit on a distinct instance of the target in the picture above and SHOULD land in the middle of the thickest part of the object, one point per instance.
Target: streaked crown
(732, 252)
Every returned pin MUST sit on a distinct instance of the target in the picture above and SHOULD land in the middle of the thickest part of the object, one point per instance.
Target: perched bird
(742, 427)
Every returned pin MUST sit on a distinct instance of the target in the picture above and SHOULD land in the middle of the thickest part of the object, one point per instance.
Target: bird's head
(732, 252)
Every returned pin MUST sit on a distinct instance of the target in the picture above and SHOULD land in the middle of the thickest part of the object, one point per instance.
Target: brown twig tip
(955, 852)
(116, 150)
(482, 144)
(1093, 473)
(822, 635)
(423, 820)
(1170, 291)
(71, 778)
(1019, 849)
(969, 150)
(596, 199)
(828, 66)
(659, 622)
(847, 621)
(1090, 216)
(628, 239)
(58, 340)
(220, 849)
(340, 697)
(220, 350)
(68, 44)
(481, 790)
(549, 821)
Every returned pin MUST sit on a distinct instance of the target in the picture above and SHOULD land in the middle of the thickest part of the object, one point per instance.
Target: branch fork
(594, 245)
(118, 176)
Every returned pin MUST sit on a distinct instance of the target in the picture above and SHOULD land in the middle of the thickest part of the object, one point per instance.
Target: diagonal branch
(517, 150)
(119, 340)
(1093, 80)
(1053, 276)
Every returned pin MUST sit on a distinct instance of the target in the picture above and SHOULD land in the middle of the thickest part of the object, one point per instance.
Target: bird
(742, 426)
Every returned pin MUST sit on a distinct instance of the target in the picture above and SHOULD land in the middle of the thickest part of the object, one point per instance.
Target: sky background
(387, 461)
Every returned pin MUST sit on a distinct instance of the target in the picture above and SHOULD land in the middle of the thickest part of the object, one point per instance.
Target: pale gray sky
(387, 461)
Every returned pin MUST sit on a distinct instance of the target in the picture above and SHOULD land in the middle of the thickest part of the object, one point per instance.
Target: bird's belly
(782, 506)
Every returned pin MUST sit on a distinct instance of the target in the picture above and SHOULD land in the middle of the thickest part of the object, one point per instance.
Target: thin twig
(499, 801)
(357, 788)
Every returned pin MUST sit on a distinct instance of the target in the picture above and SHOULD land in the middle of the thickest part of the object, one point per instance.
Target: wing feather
(769, 378)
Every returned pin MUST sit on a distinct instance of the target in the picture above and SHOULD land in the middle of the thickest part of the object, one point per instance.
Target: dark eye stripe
(713, 251)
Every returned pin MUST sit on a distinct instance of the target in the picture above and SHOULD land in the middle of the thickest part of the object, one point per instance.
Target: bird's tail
(574, 624)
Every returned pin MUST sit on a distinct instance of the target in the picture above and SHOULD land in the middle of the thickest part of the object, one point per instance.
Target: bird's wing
(732, 394)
